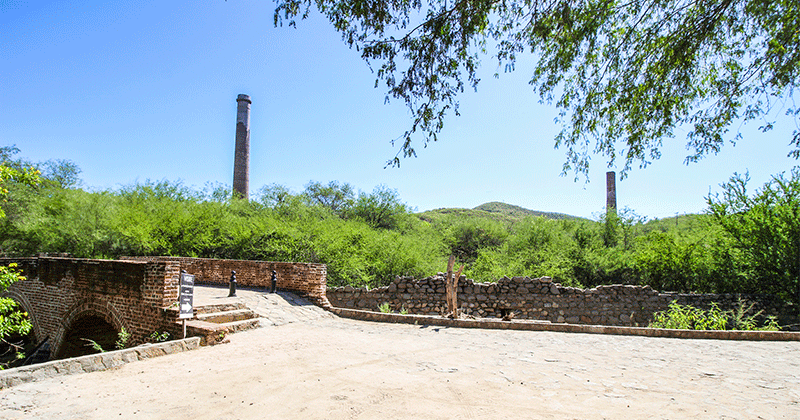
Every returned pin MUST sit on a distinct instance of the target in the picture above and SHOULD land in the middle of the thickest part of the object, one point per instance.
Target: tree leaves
(624, 75)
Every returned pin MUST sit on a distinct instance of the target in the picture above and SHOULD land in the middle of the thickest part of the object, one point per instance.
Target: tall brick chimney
(611, 192)
(241, 158)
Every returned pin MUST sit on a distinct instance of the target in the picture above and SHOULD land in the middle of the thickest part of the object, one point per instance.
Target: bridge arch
(86, 308)
(23, 302)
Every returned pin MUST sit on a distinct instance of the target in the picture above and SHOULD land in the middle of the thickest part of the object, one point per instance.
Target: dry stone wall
(306, 279)
(537, 299)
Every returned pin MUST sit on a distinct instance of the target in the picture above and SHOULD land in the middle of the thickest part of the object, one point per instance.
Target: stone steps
(224, 317)
(214, 322)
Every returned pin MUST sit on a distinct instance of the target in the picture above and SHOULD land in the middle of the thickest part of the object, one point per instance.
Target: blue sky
(132, 91)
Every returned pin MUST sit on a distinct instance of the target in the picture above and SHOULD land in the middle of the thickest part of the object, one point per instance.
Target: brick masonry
(126, 294)
(305, 279)
(137, 293)
(541, 299)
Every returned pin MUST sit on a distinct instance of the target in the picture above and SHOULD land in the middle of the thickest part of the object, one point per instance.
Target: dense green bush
(687, 317)
(764, 231)
(745, 243)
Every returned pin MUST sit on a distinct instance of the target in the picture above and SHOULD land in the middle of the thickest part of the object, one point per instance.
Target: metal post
(274, 281)
(233, 285)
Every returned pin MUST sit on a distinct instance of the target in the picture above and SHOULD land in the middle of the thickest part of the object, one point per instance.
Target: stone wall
(306, 279)
(539, 299)
(93, 362)
(126, 294)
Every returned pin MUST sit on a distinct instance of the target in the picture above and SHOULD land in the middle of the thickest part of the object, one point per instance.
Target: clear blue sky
(132, 91)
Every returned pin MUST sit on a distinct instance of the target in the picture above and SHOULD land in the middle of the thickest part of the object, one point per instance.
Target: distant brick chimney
(241, 158)
(611, 192)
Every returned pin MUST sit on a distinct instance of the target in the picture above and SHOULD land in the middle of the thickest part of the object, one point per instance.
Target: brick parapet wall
(541, 299)
(126, 294)
(306, 279)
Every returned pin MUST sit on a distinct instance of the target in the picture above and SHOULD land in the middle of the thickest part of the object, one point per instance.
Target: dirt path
(344, 369)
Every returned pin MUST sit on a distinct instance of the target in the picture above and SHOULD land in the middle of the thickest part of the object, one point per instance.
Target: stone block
(90, 363)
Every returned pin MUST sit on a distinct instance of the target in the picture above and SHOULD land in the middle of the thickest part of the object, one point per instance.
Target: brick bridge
(138, 294)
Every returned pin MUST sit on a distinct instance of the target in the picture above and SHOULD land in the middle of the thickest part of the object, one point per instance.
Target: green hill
(448, 215)
(507, 214)
(520, 212)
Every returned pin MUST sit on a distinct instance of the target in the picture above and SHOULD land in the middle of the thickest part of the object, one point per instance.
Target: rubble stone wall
(539, 299)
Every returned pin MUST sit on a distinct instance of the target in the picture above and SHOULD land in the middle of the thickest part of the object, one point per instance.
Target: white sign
(186, 296)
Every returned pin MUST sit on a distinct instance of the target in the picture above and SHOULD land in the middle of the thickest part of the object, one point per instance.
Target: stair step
(213, 333)
(220, 307)
(226, 316)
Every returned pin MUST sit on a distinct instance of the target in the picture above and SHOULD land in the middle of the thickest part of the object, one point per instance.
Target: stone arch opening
(86, 327)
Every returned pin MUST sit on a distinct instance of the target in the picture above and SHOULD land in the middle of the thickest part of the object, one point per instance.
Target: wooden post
(451, 288)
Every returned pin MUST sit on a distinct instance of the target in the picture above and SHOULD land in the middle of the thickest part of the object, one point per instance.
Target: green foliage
(687, 317)
(94, 345)
(385, 308)
(338, 198)
(520, 212)
(122, 339)
(668, 262)
(690, 318)
(14, 173)
(13, 321)
(382, 209)
(764, 232)
(623, 74)
(159, 337)
(466, 238)
(745, 244)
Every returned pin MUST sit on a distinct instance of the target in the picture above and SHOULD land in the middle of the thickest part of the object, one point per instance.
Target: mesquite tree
(624, 74)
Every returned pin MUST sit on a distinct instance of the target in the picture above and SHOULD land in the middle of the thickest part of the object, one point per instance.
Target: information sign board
(186, 296)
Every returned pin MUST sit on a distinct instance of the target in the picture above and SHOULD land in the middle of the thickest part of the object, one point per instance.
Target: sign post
(186, 299)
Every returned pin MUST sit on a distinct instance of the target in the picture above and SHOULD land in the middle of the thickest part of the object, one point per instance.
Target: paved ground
(275, 308)
(329, 368)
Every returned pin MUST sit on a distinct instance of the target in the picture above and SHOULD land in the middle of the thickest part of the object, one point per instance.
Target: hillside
(520, 212)
(507, 214)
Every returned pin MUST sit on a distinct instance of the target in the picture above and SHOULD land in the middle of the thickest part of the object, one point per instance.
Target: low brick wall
(540, 299)
(306, 279)
(93, 362)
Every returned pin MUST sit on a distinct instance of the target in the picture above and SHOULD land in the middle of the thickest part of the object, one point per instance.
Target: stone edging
(93, 362)
(574, 328)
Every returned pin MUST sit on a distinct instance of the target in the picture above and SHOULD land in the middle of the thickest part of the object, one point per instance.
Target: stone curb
(93, 362)
(573, 328)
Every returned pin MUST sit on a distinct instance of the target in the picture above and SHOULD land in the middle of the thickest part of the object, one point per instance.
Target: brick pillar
(241, 159)
(611, 192)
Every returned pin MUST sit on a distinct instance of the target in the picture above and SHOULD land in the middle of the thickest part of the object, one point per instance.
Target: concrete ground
(274, 308)
(329, 368)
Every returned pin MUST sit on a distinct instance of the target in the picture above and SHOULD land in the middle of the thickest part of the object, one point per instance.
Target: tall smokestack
(611, 192)
(241, 158)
